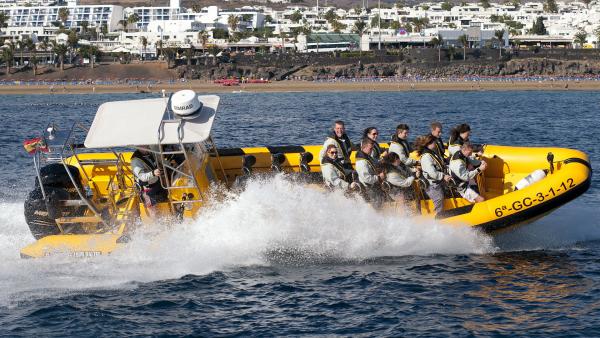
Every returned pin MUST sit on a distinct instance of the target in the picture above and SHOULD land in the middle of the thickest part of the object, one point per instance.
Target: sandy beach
(304, 86)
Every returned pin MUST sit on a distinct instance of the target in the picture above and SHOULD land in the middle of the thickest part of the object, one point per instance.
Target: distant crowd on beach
(370, 79)
(470, 78)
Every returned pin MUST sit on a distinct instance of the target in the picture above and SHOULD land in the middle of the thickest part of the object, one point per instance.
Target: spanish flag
(35, 144)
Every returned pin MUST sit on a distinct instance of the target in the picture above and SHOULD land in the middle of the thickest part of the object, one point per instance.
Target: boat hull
(503, 208)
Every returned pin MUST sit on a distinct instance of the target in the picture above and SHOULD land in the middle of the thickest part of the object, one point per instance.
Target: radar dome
(185, 103)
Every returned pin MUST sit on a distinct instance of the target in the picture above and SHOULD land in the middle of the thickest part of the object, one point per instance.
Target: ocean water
(280, 259)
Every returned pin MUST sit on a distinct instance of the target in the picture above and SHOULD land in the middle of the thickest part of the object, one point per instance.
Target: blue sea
(283, 260)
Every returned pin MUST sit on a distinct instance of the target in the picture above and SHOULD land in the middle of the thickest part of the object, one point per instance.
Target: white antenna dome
(185, 103)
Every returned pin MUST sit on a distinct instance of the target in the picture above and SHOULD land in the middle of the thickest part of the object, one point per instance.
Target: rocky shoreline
(519, 68)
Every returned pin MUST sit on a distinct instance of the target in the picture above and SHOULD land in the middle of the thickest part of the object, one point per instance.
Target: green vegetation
(296, 17)
(538, 27)
(219, 33)
(499, 35)
(91, 53)
(580, 38)
(550, 6)
(354, 54)
(464, 41)
(438, 42)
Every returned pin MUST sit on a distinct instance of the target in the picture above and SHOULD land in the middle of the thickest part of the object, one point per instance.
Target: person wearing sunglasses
(377, 153)
(334, 174)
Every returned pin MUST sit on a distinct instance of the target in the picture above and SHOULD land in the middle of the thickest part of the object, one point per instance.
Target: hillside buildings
(142, 30)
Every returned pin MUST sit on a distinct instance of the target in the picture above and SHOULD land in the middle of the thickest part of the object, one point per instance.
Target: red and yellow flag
(35, 144)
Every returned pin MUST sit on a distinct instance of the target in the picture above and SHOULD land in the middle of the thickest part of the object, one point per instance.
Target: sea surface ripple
(283, 260)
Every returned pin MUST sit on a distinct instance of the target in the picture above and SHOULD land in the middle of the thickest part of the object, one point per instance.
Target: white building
(43, 20)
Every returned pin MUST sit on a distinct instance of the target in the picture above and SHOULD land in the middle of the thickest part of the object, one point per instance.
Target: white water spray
(269, 216)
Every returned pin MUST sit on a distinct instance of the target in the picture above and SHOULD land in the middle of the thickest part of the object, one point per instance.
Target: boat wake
(564, 228)
(271, 219)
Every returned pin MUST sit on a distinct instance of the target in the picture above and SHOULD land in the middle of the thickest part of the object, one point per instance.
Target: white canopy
(137, 123)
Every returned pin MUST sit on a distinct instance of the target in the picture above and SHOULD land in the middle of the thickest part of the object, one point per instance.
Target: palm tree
(169, 54)
(189, 54)
(61, 51)
(159, 46)
(8, 55)
(437, 42)
(203, 38)
(580, 38)
(337, 26)
(72, 42)
(420, 23)
(451, 52)
(296, 17)
(233, 21)
(31, 47)
(63, 14)
(133, 19)
(360, 27)
(84, 27)
(375, 21)
(499, 34)
(144, 42)
(90, 52)
(21, 46)
(464, 40)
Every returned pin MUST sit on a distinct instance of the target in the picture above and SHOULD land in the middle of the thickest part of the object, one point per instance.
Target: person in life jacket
(333, 172)
(459, 135)
(368, 173)
(398, 177)
(436, 131)
(339, 138)
(462, 176)
(377, 153)
(400, 146)
(147, 177)
(433, 171)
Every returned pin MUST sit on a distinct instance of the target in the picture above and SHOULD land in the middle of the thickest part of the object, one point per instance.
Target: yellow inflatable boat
(85, 201)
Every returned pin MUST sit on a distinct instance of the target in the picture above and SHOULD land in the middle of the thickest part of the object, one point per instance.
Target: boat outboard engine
(248, 161)
(277, 160)
(41, 213)
(305, 159)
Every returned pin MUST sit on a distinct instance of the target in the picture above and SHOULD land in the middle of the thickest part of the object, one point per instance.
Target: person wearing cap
(333, 172)
(433, 171)
(400, 146)
(147, 177)
(341, 141)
